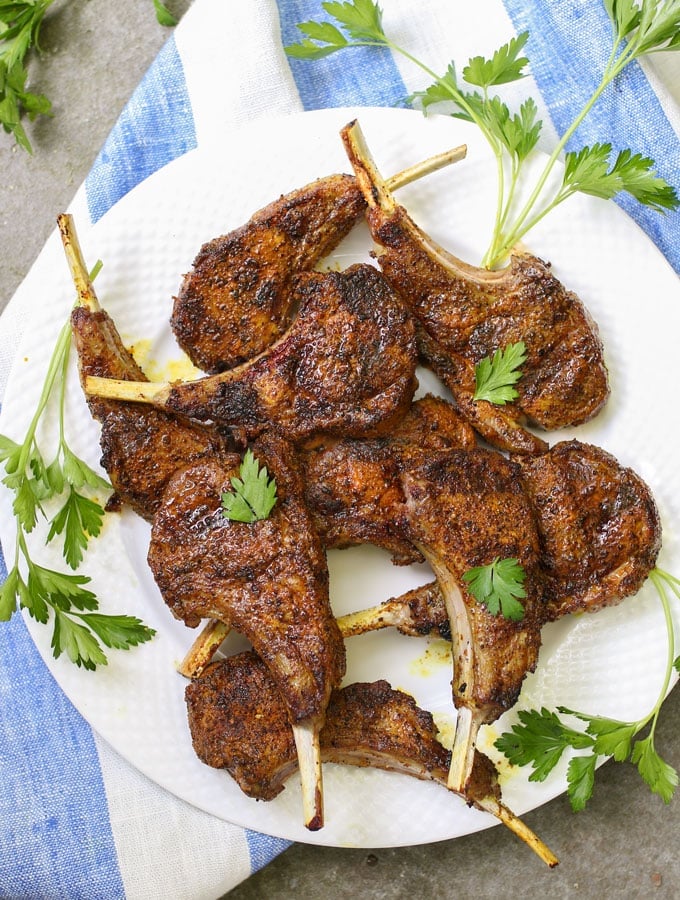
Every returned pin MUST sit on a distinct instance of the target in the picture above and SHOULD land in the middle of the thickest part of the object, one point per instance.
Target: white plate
(609, 664)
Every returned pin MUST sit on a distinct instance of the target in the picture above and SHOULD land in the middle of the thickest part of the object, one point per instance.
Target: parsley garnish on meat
(499, 586)
(254, 493)
(541, 737)
(638, 29)
(67, 480)
(495, 376)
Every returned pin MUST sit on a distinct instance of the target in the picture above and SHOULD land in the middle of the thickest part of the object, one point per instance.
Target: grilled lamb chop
(237, 300)
(141, 446)
(345, 367)
(467, 508)
(598, 524)
(238, 722)
(267, 579)
(352, 487)
(599, 533)
(466, 314)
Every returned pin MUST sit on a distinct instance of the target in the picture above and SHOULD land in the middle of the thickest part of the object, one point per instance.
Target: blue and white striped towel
(76, 821)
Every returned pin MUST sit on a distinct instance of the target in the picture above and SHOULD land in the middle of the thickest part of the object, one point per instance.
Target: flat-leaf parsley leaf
(495, 376)
(254, 493)
(638, 29)
(540, 737)
(499, 586)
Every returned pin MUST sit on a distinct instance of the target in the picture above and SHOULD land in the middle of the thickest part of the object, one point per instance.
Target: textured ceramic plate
(609, 664)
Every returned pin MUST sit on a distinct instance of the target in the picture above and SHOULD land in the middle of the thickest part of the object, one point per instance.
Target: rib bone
(418, 612)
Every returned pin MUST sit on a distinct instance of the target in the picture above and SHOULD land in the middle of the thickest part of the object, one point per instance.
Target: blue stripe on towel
(364, 76)
(156, 126)
(568, 46)
(53, 810)
(263, 848)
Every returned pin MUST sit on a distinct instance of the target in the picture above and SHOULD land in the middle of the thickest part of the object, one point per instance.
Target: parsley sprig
(499, 586)
(67, 480)
(497, 375)
(20, 24)
(638, 29)
(541, 737)
(254, 493)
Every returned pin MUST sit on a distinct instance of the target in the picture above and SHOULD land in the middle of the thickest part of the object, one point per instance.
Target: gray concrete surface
(625, 844)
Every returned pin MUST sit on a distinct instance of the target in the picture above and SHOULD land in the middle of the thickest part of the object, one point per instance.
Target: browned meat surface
(465, 314)
(236, 300)
(352, 487)
(599, 537)
(467, 508)
(141, 446)
(598, 524)
(238, 722)
(267, 579)
(345, 367)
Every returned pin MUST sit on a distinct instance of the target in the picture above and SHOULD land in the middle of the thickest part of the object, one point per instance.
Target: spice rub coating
(598, 523)
(237, 299)
(346, 366)
(353, 487)
(238, 722)
(466, 509)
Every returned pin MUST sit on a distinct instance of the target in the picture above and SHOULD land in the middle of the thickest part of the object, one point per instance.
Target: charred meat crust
(564, 380)
(346, 366)
(352, 487)
(237, 299)
(466, 509)
(238, 722)
(598, 523)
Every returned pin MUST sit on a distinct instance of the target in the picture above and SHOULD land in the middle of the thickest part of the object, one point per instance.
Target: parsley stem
(660, 580)
(502, 244)
(456, 95)
(54, 368)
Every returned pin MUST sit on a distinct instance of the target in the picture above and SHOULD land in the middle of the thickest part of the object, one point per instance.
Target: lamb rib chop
(599, 533)
(346, 367)
(237, 300)
(466, 509)
(238, 722)
(141, 446)
(419, 612)
(466, 314)
(267, 579)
